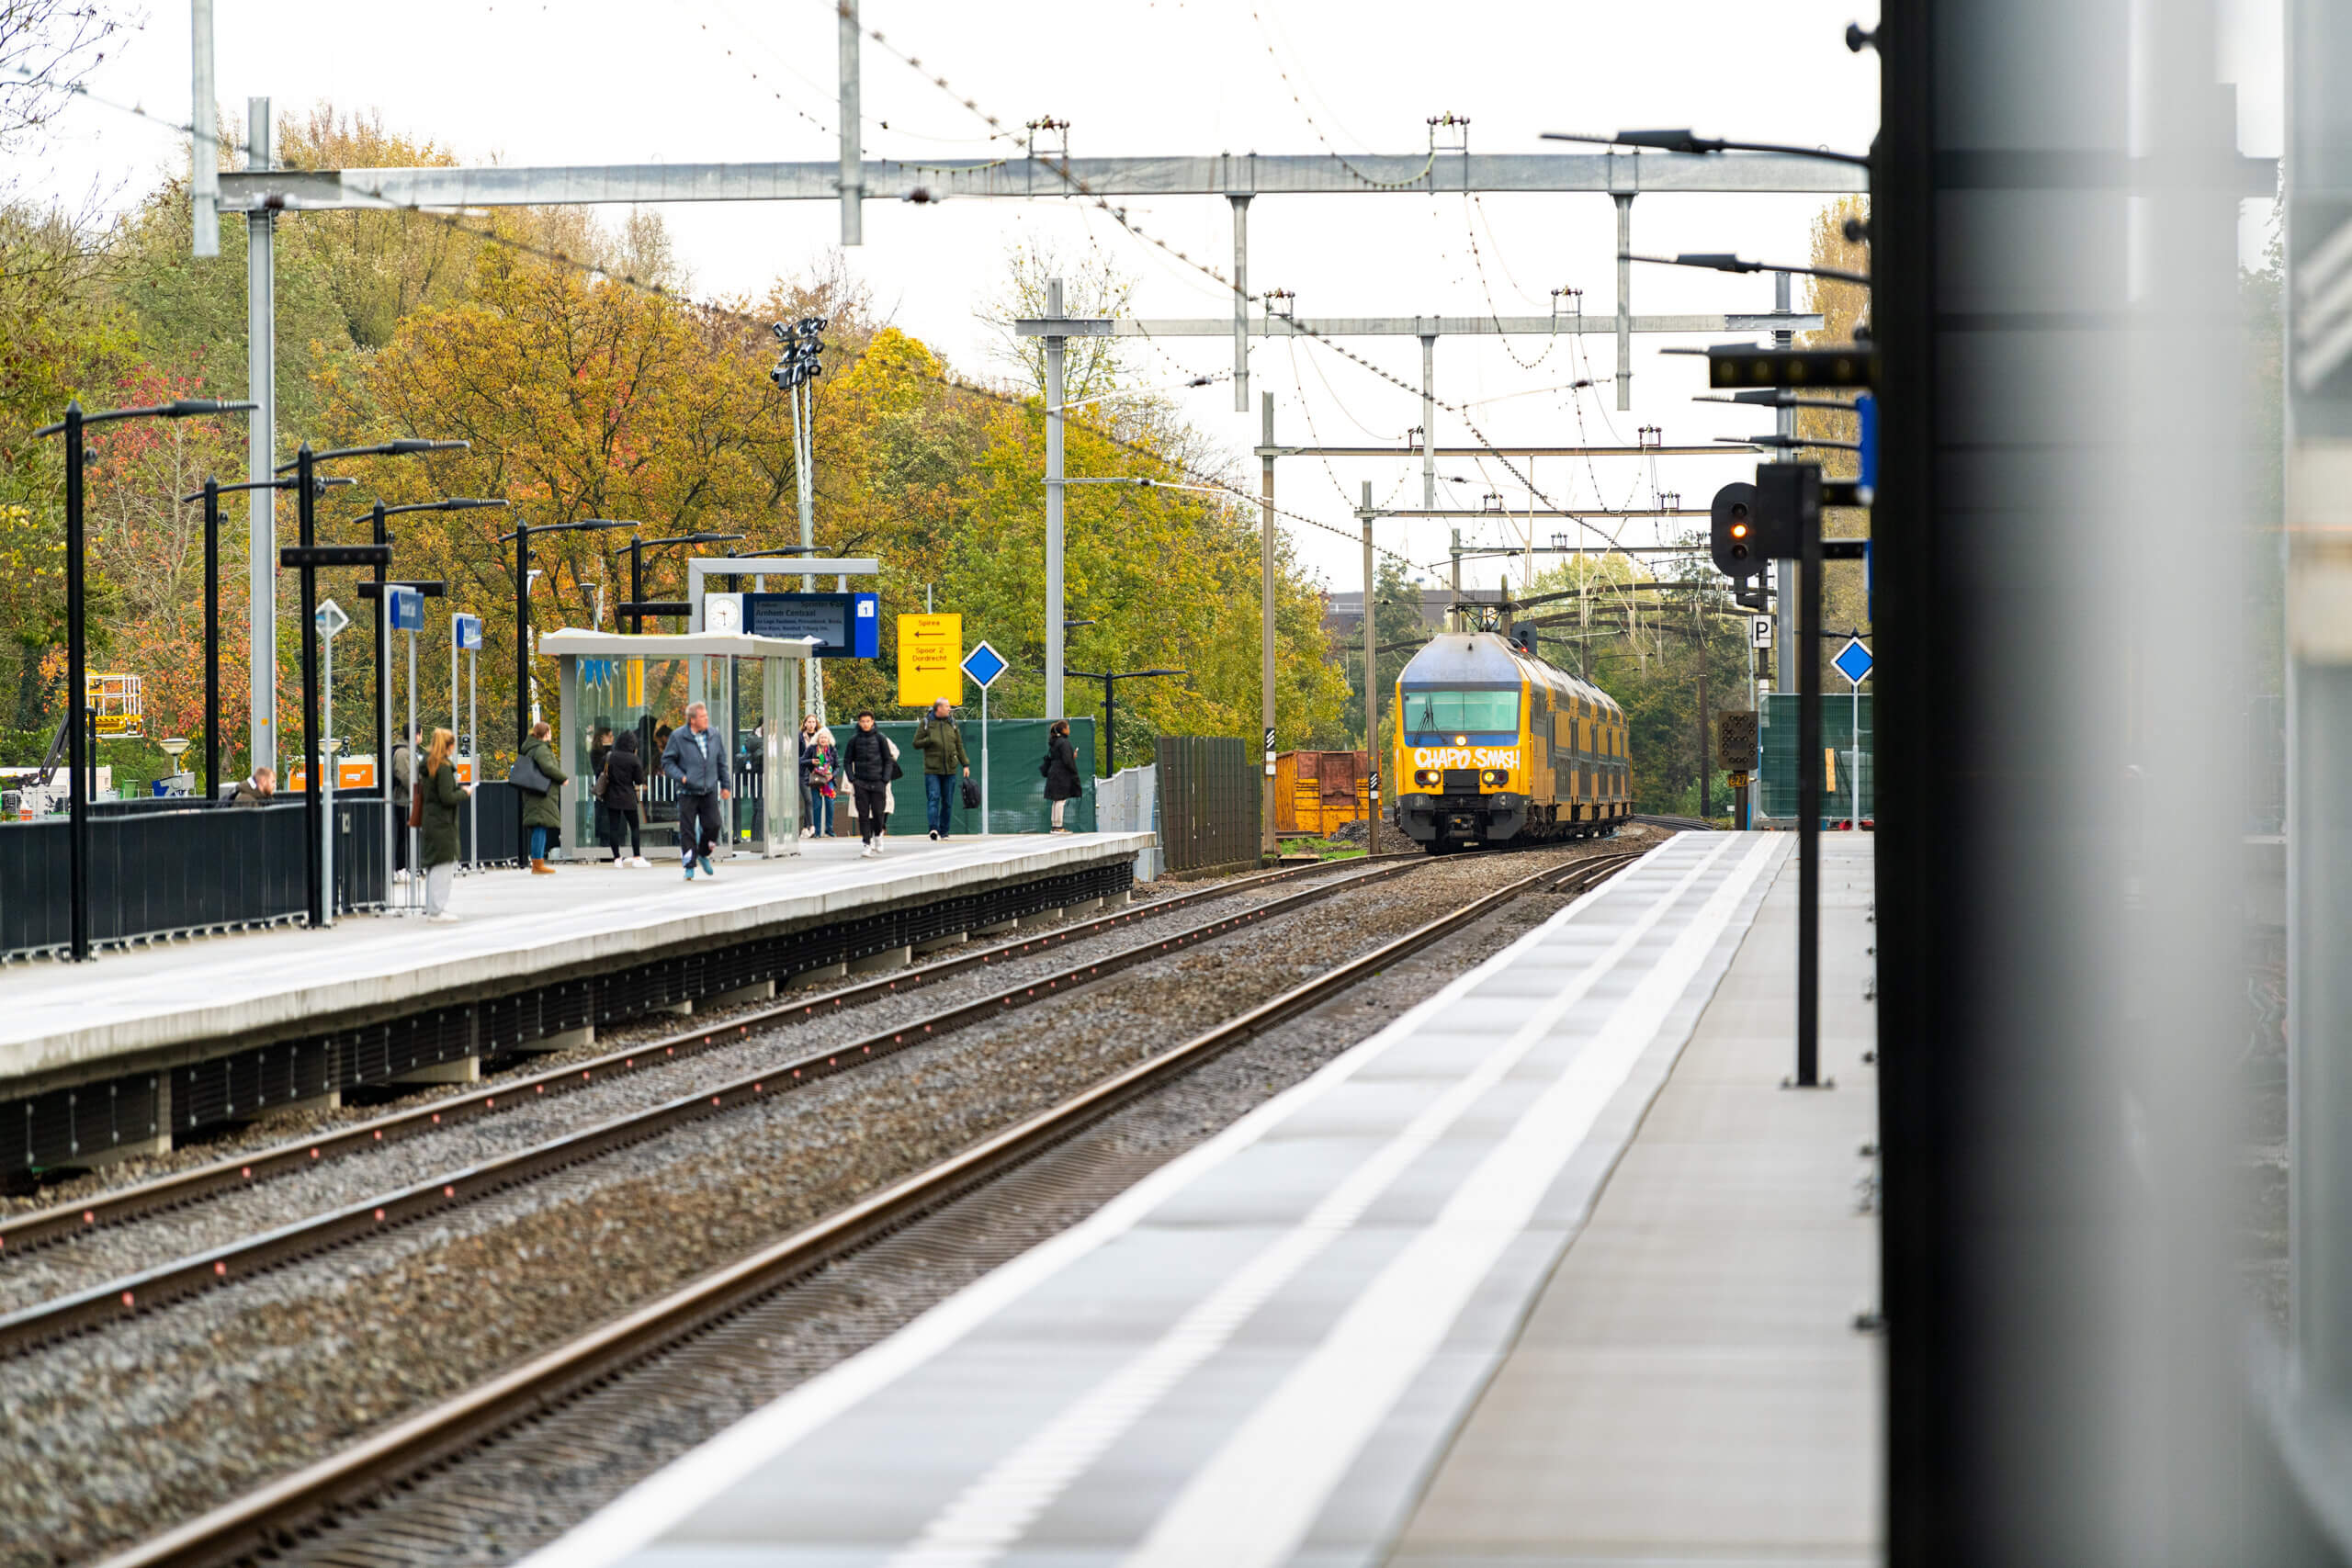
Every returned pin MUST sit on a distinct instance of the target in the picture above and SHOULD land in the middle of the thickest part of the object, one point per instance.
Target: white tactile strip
(1251, 1357)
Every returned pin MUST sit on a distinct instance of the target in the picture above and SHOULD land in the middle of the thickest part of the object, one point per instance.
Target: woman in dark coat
(543, 809)
(438, 848)
(1061, 770)
(623, 770)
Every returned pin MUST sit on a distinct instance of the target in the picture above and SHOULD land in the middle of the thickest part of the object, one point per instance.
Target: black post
(383, 664)
(522, 635)
(307, 508)
(1109, 764)
(77, 686)
(636, 580)
(1804, 489)
(1706, 745)
(211, 639)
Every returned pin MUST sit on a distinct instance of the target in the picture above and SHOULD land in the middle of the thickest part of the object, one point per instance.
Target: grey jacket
(698, 770)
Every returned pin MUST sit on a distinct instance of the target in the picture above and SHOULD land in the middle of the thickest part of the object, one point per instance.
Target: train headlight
(1426, 776)
(1494, 778)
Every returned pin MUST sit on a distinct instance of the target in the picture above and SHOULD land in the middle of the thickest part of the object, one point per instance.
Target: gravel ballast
(115, 1434)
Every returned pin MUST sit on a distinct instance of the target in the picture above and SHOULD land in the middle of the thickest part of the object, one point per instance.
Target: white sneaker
(934, 835)
(878, 846)
(641, 863)
(443, 918)
(865, 854)
(400, 876)
(808, 832)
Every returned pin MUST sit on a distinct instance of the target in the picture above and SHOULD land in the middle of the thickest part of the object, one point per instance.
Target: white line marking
(646, 1510)
(1252, 1503)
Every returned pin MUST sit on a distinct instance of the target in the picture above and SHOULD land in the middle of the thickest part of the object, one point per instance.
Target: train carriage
(1494, 746)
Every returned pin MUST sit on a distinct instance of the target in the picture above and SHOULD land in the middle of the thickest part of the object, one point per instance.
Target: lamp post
(396, 811)
(72, 427)
(210, 495)
(309, 556)
(638, 606)
(1110, 679)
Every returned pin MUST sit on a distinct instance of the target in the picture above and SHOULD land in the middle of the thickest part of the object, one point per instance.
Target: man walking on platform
(696, 760)
(943, 762)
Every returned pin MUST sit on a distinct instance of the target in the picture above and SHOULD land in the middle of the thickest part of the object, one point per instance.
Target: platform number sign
(984, 664)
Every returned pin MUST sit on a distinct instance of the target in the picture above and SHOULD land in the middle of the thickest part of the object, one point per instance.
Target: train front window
(1464, 711)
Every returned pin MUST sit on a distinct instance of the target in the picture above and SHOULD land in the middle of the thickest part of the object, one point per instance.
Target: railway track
(299, 1506)
(45, 1227)
(155, 1288)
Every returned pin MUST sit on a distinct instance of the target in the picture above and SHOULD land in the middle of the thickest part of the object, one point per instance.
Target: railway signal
(1734, 538)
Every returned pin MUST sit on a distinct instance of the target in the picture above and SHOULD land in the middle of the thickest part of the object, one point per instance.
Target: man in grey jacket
(697, 759)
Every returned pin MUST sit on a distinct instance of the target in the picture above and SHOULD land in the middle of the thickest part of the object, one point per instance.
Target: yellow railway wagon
(1316, 792)
(1494, 746)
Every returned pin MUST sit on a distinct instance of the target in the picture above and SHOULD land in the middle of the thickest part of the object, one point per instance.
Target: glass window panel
(1440, 710)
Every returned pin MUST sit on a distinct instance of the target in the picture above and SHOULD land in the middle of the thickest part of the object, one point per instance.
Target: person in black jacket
(869, 759)
(623, 771)
(1060, 770)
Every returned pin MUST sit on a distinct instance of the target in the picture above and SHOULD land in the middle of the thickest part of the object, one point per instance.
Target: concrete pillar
(888, 958)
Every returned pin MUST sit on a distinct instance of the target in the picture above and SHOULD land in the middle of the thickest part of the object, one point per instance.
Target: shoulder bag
(527, 775)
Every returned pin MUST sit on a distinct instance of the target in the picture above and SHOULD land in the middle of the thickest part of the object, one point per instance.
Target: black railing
(191, 866)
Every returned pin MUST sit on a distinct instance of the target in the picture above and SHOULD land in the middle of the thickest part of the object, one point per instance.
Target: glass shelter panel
(643, 696)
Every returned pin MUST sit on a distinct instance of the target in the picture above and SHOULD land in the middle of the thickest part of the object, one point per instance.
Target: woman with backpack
(821, 765)
(538, 777)
(616, 788)
(1060, 768)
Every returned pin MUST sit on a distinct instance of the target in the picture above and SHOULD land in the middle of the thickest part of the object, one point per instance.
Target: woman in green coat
(543, 809)
(440, 796)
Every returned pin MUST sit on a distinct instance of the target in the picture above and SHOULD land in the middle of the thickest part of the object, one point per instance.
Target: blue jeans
(819, 815)
(939, 801)
(539, 843)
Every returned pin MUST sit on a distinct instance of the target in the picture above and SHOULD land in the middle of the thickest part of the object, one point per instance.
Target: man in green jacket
(944, 761)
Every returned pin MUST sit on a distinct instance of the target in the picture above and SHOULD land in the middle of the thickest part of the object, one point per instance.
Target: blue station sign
(835, 626)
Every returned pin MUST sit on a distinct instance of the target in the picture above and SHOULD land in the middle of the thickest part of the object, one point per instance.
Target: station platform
(1550, 1271)
(286, 1015)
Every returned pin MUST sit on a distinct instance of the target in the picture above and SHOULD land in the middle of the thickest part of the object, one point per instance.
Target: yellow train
(1494, 746)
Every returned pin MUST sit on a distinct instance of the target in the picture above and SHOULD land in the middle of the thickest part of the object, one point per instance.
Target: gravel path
(38, 1274)
(113, 1436)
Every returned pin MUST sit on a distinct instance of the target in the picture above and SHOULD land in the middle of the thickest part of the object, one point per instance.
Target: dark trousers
(700, 826)
(619, 824)
(872, 817)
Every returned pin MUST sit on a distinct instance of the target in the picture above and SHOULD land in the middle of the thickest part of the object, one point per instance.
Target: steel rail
(63, 1222)
(307, 1500)
(146, 1289)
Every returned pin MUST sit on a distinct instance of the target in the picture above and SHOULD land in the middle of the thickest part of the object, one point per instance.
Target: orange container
(1316, 792)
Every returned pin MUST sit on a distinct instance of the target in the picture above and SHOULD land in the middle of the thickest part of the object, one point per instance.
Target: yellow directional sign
(931, 649)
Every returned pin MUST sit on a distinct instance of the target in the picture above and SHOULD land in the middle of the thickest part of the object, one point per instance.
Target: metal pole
(1109, 682)
(853, 155)
(1854, 766)
(1624, 300)
(984, 761)
(1241, 313)
(1429, 425)
(1266, 609)
(261, 449)
(1809, 801)
(321, 760)
(474, 728)
(204, 147)
(521, 636)
(1785, 421)
(383, 696)
(1370, 688)
(1054, 505)
(212, 639)
(77, 686)
(636, 596)
(306, 509)
(415, 771)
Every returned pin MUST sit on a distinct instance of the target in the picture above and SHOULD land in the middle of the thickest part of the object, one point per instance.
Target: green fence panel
(1778, 724)
(1017, 801)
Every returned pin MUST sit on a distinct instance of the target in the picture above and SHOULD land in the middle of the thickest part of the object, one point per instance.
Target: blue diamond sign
(1853, 660)
(984, 664)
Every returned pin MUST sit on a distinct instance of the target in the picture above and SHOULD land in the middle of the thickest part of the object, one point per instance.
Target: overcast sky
(591, 81)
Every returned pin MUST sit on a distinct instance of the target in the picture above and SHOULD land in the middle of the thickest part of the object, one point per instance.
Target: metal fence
(1209, 802)
(198, 866)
